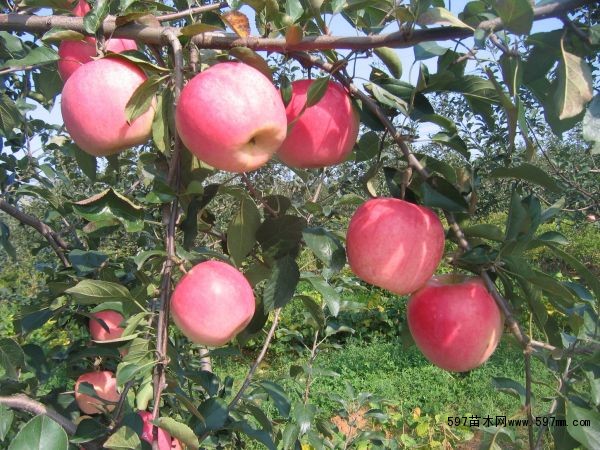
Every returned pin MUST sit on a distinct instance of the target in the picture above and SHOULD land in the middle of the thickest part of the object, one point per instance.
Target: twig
(313, 355)
(170, 214)
(24, 403)
(254, 193)
(20, 68)
(56, 242)
(191, 12)
(527, 354)
(154, 35)
(258, 360)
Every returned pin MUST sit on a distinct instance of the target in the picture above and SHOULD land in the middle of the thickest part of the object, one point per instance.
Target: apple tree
(209, 159)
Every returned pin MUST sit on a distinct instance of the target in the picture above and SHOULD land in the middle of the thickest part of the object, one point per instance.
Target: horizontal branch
(56, 242)
(156, 35)
(24, 403)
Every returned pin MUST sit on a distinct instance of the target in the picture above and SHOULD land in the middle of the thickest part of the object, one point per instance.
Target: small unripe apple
(455, 322)
(231, 117)
(394, 244)
(212, 303)
(105, 385)
(73, 54)
(164, 438)
(93, 107)
(112, 319)
(324, 133)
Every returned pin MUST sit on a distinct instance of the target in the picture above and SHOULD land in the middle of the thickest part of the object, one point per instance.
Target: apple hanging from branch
(455, 322)
(105, 386)
(212, 303)
(231, 117)
(394, 244)
(322, 134)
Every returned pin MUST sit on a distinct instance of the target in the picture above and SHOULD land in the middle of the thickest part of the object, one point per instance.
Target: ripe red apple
(325, 133)
(394, 244)
(212, 303)
(93, 107)
(105, 385)
(231, 117)
(455, 322)
(164, 438)
(112, 319)
(73, 54)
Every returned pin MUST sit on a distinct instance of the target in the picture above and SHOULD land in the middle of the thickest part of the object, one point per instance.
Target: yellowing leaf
(293, 35)
(238, 22)
(440, 16)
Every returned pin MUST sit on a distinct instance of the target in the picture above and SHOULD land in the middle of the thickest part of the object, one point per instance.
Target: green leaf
(56, 34)
(94, 18)
(368, 146)
(484, 231)
(160, 123)
(87, 163)
(444, 195)
(510, 387)
(199, 28)
(215, 413)
(440, 16)
(10, 116)
(142, 97)
(37, 56)
(279, 397)
(12, 358)
(279, 236)
(4, 241)
(588, 435)
(241, 233)
(294, 9)
(181, 431)
(389, 57)
(88, 430)
(516, 15)
(386, 98)
(591, 124)
(426, 50)
(330, 295)
(316, 91)
(282, 283)
(92, 292)
(128, 371)
(124, 438)
(6, 419)
(528, 172)
(575, 85)
(84, 262)
(326, 246)
(304, 415)
(40, 433)
(108, 206)
(314, 309)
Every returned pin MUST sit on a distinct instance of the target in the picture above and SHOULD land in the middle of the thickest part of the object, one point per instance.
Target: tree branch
(192, 12)
(170, 214)
(154, 35)
(24, 403)
(56, 242)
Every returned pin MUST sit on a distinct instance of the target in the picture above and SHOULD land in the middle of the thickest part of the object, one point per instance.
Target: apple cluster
(233, 118)
(105, 326)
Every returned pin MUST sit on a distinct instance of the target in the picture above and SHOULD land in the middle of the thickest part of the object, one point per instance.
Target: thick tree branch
(24, 403)
(154, 35)
(56, 242)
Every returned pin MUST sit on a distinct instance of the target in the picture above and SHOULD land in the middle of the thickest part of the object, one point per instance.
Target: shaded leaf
(40, 433)
(528, 172)
(241, 233)
(282, 283)
(575, 85)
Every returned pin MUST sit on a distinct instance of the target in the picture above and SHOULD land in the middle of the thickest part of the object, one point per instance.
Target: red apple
(324, 133)
(212, 303)
(455, 322)
(394, 244)
(112, 319)
(164, 438)
(105, 385)
(231, 117)
(93, 107)
(176, 445)
(73, 54)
